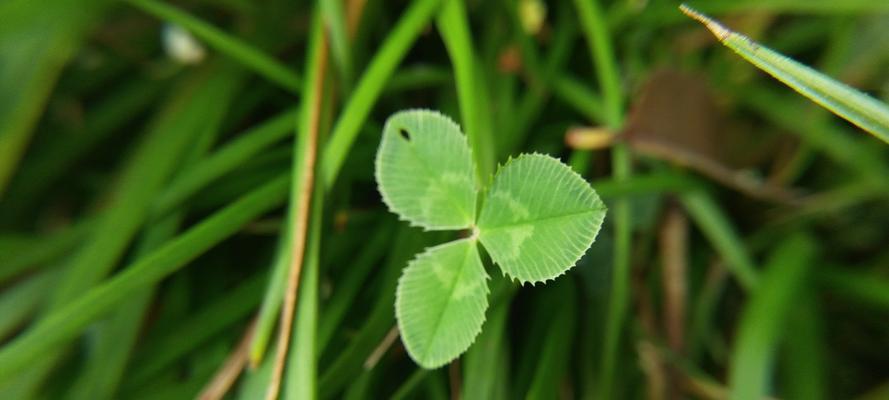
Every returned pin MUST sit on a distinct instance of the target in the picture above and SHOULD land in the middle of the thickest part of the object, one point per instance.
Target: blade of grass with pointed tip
(858, 108)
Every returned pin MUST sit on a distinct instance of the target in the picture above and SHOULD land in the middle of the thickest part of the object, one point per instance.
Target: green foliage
(424, 169)
(539, 217)
(144, 219)
(860, 109)
(441, 301)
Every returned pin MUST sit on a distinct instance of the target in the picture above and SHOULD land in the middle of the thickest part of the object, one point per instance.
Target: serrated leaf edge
(473, 242)
(574, 263)
(385, 198)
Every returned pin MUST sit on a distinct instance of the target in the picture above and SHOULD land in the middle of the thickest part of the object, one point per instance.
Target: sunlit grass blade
(856, 107)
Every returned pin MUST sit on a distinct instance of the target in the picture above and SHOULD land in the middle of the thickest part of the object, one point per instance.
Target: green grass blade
(71, 318)
(301, 374)
(856, 107)
(485, 364)
(761, 323)
(603, 56)
(35, 44)
(234, 154)
(48, 163)
(115, 337)
(864, 288)
(18, 257)
(371, 84)
(352, 283)
(21, 301)
(804, 372)
(454, 27)
(599, 43)
(141, 180)
(553, 362)
(163, 350)
(723, 237)
(572, 92)
(233, 47)
(335, 22)
(270, 309)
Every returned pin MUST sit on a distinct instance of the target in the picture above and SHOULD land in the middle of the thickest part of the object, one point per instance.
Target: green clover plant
(537, 219)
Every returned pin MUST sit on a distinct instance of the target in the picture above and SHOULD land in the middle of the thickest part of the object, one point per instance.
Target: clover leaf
(538, 218)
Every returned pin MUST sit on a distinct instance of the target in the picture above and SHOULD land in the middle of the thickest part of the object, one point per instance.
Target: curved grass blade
(425, 172)
(441, 301)
(539, 218)
(856, 107)
(762, 321)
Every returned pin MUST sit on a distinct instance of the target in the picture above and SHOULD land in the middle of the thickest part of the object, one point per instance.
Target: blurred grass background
(148, 150)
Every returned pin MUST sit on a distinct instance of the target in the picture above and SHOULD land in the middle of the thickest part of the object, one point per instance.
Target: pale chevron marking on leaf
(428, 177)
(441, 301)
(558, 218)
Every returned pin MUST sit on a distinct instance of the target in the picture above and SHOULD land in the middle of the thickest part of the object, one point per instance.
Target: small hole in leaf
(403, 132)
